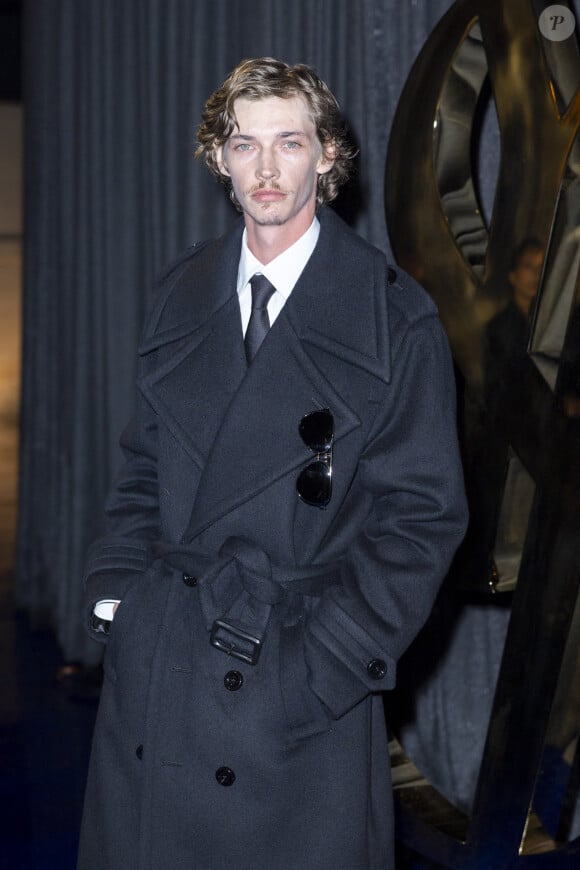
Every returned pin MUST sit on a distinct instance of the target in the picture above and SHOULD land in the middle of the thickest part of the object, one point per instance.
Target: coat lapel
(335, 321)
(195, 348)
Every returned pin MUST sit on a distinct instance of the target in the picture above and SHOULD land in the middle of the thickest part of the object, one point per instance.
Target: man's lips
(267, 195)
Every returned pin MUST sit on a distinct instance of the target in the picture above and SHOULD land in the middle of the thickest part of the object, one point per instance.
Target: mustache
(272, 185)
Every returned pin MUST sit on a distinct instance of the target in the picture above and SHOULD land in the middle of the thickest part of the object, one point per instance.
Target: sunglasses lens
(314, 484)
(316, 430)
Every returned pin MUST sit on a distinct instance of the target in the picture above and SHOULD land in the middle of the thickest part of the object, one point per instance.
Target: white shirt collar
(283, 272)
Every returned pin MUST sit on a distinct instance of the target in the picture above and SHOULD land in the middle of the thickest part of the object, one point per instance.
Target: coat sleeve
(119, 558)
(122, 555)
(393, 569)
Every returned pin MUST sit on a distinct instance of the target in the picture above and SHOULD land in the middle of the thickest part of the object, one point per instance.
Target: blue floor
(46, 722)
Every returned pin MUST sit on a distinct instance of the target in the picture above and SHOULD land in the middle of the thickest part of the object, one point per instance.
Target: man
(291, 500)
(503, 486)
(507, 332)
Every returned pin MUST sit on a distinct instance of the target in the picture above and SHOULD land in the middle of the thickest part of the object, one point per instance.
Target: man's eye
(292, 145)
(243, 146)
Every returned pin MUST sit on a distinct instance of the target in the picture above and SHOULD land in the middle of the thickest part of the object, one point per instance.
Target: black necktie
(259, 323)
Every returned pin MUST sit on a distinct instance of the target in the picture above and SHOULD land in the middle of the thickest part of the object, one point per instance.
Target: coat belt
(238, 588)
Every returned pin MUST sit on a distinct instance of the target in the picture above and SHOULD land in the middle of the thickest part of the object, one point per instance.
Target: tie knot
(262, 290)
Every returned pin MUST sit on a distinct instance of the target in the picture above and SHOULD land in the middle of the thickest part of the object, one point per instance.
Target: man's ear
(327, 158)
(220, 159)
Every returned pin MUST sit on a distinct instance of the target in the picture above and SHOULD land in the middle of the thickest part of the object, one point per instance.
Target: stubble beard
(261, 214)
(269, 220)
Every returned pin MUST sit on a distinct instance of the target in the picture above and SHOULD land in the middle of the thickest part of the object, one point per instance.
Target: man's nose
(267, 166)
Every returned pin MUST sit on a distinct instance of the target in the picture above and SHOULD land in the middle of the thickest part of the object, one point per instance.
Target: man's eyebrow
(285, 134)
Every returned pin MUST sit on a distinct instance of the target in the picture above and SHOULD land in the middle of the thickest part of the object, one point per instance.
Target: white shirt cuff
(106, 609)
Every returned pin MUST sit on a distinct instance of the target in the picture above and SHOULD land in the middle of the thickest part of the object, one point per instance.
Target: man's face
(274, 158)
(526, 277)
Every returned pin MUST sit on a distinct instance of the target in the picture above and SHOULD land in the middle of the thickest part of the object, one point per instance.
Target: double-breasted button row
(225, 776)
(232, 681)
(377, 669)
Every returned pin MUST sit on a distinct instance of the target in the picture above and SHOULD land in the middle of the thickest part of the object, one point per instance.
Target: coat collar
(238, 425)
(339, 303)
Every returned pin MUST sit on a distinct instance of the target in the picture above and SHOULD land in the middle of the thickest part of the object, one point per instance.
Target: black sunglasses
(314, 484)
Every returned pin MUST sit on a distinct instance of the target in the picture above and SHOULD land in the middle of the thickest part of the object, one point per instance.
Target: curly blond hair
(263, 77)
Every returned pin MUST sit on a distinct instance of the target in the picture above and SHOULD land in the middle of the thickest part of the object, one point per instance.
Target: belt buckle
(230, 648)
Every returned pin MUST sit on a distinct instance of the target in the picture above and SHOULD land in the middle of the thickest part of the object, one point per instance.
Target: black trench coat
(200, 759)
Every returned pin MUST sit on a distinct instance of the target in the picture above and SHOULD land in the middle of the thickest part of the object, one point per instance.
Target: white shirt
(283, 272)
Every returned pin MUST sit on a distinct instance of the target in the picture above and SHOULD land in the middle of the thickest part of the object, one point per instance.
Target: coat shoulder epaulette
(173, 269)
(407, 298)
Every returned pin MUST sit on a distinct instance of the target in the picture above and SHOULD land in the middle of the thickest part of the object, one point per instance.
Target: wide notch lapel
(259, 441)
(344, 313)
(305, 363)
(196, 348)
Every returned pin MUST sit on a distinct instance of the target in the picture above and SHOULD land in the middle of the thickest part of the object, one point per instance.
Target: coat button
(233, 681)
(225, 776)
(189, 580)
(377, 669)
(139, 751)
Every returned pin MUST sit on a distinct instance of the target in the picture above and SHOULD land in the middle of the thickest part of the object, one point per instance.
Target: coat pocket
(120, 626)
(306, 716)
(136, 625)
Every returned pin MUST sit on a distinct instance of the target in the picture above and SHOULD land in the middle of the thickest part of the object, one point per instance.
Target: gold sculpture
(521, 436)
